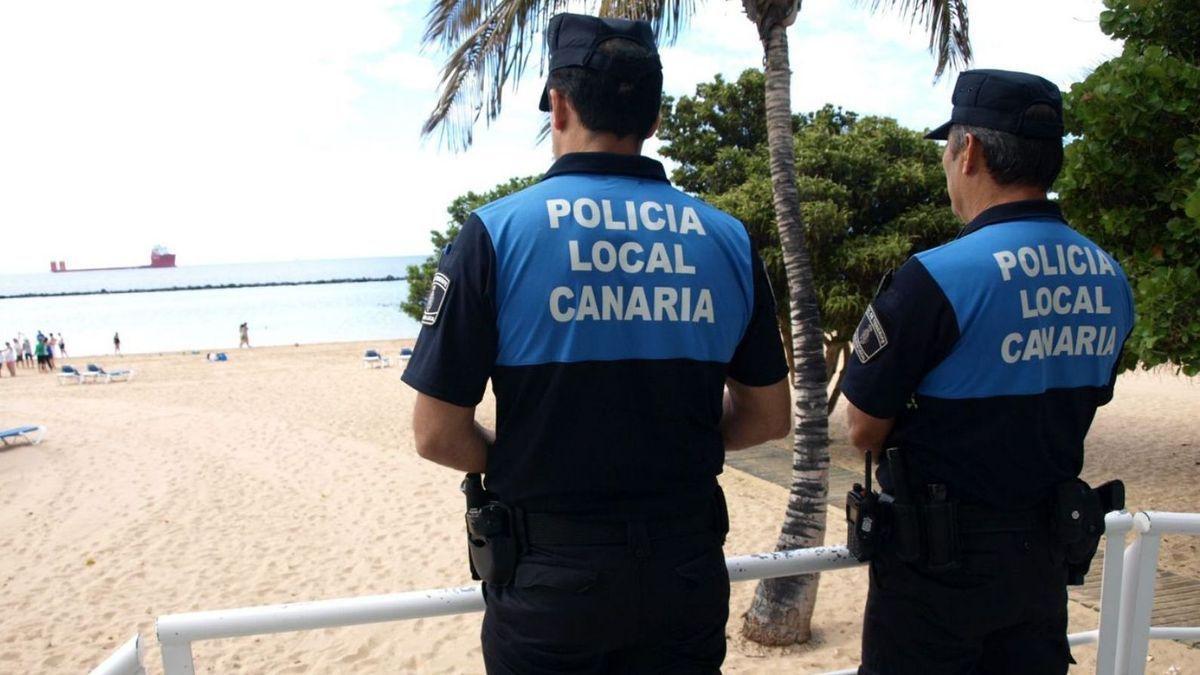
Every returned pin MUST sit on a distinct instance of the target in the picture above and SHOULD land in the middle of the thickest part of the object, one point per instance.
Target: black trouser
(649, 606)
(1004, 610)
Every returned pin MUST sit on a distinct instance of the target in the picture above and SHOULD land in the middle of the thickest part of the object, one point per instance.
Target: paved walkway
(1176, 597)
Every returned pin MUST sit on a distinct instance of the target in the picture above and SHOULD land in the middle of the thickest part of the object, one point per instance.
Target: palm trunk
(781, 613)
(840, 357)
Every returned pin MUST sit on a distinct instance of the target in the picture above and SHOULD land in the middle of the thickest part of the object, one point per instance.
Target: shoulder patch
(437, 297)
(869, 338)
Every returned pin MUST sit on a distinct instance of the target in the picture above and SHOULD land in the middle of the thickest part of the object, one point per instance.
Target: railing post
(1137, 598)
(177, 658)
(1116, 524)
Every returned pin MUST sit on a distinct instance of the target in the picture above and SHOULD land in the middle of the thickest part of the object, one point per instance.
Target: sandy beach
(288, 473)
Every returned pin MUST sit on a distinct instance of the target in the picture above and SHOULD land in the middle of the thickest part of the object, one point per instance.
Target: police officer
(983, 361)
(629, 334)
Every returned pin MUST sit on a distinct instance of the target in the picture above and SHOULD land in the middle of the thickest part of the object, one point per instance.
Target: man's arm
(448, 434)
(867, 433)
(754, 415)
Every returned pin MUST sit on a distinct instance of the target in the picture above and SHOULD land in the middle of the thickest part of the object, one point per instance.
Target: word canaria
(620, 303)
(652, 216)
(1051, 341)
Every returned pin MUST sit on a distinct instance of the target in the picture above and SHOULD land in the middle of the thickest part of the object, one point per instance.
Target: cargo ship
(159, 257)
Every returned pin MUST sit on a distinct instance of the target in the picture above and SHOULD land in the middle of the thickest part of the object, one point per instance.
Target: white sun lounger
(31, 434)
(372, 359)
(405, 354)
(109, 376)
(69, 374)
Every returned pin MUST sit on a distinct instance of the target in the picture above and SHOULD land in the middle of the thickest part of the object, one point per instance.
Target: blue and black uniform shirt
(992, 352)
(608, 309)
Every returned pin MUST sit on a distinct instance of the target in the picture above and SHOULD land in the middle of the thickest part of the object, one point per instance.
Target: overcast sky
(249, 130)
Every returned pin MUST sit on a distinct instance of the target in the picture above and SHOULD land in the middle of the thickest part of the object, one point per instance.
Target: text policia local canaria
(1061, 299)
(627, 303)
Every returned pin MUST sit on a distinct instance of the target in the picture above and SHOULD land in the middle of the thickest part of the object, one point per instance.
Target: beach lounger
(109, 376)
(405, 354)
(70, 374)
(31, 434)
(372, 359)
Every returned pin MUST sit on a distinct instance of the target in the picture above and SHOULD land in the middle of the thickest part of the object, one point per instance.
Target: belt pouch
(941, 535)
(493, 547)
(906, 532)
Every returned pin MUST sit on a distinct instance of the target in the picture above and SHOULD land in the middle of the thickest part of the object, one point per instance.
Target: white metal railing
(1137, 592)
(127, 660)
(1127, 593)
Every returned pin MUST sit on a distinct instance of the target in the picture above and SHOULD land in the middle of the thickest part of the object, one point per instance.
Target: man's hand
(754, 415)
(447, 434)
(867, 433)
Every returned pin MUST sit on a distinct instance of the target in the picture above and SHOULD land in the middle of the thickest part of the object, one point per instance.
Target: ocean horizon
(296, 311)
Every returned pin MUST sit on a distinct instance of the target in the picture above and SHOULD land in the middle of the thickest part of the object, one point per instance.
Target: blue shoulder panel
(600, 267)
(1039, 307)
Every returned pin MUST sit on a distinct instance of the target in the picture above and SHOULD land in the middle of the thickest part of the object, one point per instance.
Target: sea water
(208, 320)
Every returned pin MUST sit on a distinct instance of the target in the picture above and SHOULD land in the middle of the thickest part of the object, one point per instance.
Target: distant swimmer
(117, 344)
(244, 333)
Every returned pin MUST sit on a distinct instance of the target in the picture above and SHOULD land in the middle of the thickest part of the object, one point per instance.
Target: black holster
(1079, 521)
(493, 534)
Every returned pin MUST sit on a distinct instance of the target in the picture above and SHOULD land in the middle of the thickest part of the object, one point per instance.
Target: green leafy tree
(420, 277)
(871, 193)
(1131, 180)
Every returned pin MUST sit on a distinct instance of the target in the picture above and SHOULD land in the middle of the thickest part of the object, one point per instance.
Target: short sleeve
(906, 331)
(759, 359)
(456, 348)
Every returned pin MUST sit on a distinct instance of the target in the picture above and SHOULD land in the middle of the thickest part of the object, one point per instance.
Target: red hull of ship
(157, 260)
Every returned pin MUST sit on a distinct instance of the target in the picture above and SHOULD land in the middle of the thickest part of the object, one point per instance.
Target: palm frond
(489, 43)
(669, 17)
(946, 21)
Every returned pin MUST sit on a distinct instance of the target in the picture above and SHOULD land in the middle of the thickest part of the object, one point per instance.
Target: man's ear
(972, 155)
(560, 110)
(654, 127)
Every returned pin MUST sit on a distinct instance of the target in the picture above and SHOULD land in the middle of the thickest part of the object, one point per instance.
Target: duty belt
(980, 520)
(545, 529)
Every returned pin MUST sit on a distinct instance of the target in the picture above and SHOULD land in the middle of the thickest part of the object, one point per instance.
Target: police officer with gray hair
(977, 370)
(629, 333)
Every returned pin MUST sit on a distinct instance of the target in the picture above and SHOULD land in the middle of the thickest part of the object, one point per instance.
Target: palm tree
(490, 41)
(781, 613)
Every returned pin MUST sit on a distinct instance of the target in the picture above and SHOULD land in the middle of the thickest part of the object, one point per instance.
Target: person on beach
(9, 358)
(629, 333)
(28, 349)
(244, 335)
(62, 345)
(117, 344)
(40, 352)
(979, 366)
(20, 355)
(50, 344)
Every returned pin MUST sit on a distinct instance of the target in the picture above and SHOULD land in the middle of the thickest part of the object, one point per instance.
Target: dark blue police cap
(998, 99)
(574, 41)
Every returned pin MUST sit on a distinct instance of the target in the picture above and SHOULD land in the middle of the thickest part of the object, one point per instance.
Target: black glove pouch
(492, 543)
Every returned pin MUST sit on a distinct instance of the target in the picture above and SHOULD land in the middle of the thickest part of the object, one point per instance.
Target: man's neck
(997, 195)
(610, 143)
